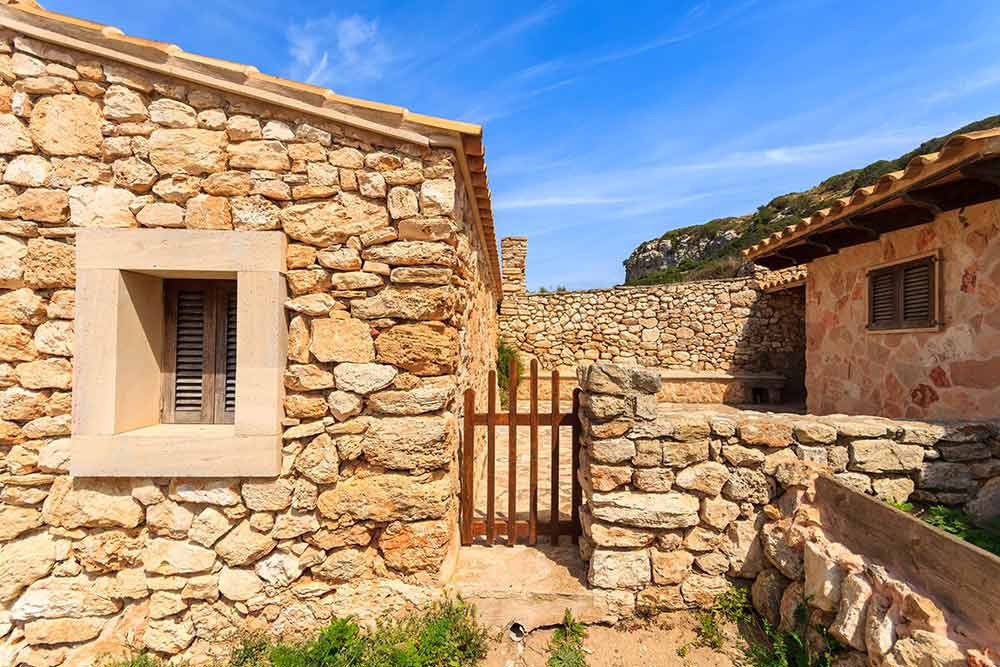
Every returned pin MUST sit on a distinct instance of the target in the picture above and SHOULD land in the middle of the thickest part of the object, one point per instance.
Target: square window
(181, 341)
(904, 295)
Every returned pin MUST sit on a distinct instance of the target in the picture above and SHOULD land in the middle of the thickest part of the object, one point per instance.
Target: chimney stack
(513, 256)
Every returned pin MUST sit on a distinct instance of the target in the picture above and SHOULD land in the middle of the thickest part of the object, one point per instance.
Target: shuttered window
(199, 384)
(903, 296)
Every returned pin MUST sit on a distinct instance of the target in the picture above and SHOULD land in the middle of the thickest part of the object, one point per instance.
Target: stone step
(532, 586)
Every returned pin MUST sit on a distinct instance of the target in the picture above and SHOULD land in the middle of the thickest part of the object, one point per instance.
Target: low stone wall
(676, 501)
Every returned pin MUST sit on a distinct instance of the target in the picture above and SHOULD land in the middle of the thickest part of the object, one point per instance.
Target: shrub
(505, 354)
(566, 647)
(140, 659)
(446, 634)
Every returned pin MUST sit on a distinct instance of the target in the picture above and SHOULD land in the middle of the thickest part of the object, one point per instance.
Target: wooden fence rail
(514, 530)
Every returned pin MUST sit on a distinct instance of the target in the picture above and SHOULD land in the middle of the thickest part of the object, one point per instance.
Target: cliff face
(712, 249)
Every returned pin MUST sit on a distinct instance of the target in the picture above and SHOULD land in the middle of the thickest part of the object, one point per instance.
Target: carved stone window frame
(117, 383)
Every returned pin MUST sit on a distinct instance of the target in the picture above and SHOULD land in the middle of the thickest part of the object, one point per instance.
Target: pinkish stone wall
(951, 373)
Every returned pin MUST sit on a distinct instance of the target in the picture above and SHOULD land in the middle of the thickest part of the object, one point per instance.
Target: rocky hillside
(712, 249)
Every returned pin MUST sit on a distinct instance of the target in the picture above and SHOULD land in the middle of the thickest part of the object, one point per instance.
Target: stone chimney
(513, 256)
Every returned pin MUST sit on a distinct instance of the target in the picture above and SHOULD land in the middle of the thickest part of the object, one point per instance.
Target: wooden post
(577, 489)
(468, 463)
(533, 473)
(554, 509)
(512, 453)
(491, 458)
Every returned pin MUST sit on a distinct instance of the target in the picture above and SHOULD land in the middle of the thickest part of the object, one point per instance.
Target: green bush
(566, 647)
(505, 354)
(141, 659)
(445, 635)
(956, 522)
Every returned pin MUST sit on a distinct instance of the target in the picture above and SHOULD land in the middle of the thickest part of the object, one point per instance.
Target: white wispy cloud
(334, 51)
(981, 80)
(555, 200)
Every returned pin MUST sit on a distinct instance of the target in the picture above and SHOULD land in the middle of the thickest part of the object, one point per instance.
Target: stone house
(902, 309)
(261, 302)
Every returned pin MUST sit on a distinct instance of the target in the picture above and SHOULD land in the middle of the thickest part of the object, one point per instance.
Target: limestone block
(342, 340)
(411, 443)
(14, 137)
(101, 206)
(223, 492)
(239, 584)
(670, 567)
(788, 559)
(766, 593)
(25, 561)
(268, 495)
(243, 545)
(344, 565)
(701, 590)
(60, 125)
(422, 399)
(619, 569)
(849, 626)
(885, 456)
(415, 547)
(63, 597)
(169, 519)
(363, 378)
(653, 480)
(718, 512)
(765, 433)
(188, 151)
(387, 497)
(707, 478)
(172, 557)
(642, 510)
(823, 578)
(92, 503)
(748, 485)
(423, 348)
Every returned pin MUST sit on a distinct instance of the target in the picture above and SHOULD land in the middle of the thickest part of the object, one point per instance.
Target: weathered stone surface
(701, 590)
(925, 649)
(662, 510)
(766, 594)
(406, 302)
(654, 480)
(64, 125)
(342, 340)
(437, 197)
(344, 565)
(766, 433)
(308, 377)
(896, 490)
(268, 495)
(682, 454)
(49, 264)
(109, 551)
(238, 584)
(188, 151)
(823, 578)
(266, 154)
(23, 562)
(344, 404)
(243, 546)
(52, 373)
(101, 206)
(411, 443)
(718, 512)
(169, 635)
(17, 520)
(387, 497)
(748, 485)
(254, 213)
(93, 503)
(781, 555)
(30, 171)
(619, 569)
(423, 348)
(224, 492)
(63, 597)
(944, 476)
(169, 519)
(707, 478)
(849, 626)
(14, 137)
(670, 567)
(328, 223)
(882, 456)
(208, 212)
(161, 215)
(62, 630)
(209, 526)
(363, 378)
(422, 399)
(171, 557)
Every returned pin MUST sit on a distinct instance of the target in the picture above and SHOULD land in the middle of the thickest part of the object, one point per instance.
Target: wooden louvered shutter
(199, 384)
(903, 296)
(917, 290)
(882, 301)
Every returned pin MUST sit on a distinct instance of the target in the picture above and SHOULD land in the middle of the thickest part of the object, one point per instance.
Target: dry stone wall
(389, 312)
(720, 326)
(676, 502)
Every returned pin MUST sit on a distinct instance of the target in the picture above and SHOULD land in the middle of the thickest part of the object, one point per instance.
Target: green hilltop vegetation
(722, 239)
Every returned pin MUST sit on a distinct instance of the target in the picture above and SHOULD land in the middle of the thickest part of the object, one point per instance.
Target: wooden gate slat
(554, 507)
(574, 473)
(533, 466)
(468, 465)
(512, 453)
(491, 457)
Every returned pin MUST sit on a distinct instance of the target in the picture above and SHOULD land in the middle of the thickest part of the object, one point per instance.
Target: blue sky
(610, 123)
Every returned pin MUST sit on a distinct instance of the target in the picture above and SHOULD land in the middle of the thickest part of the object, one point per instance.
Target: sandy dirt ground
(652, 644)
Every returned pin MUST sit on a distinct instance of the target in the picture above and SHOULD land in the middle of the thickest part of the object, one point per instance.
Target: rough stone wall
(728, 326)
(389, 314)
(676, 500)
(947, 374)
(513, 258)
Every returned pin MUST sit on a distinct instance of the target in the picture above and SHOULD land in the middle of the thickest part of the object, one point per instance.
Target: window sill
(177, 450)
(934, 329)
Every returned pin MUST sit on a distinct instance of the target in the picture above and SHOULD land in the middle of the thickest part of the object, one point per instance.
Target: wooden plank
(554, 506)
(491, 458)
(512, 453)
(544, 419)
(522, 528)
(577, 489)
(468, 463)
(533, 465)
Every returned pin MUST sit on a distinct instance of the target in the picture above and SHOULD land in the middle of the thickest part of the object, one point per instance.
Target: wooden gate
(513, 529)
